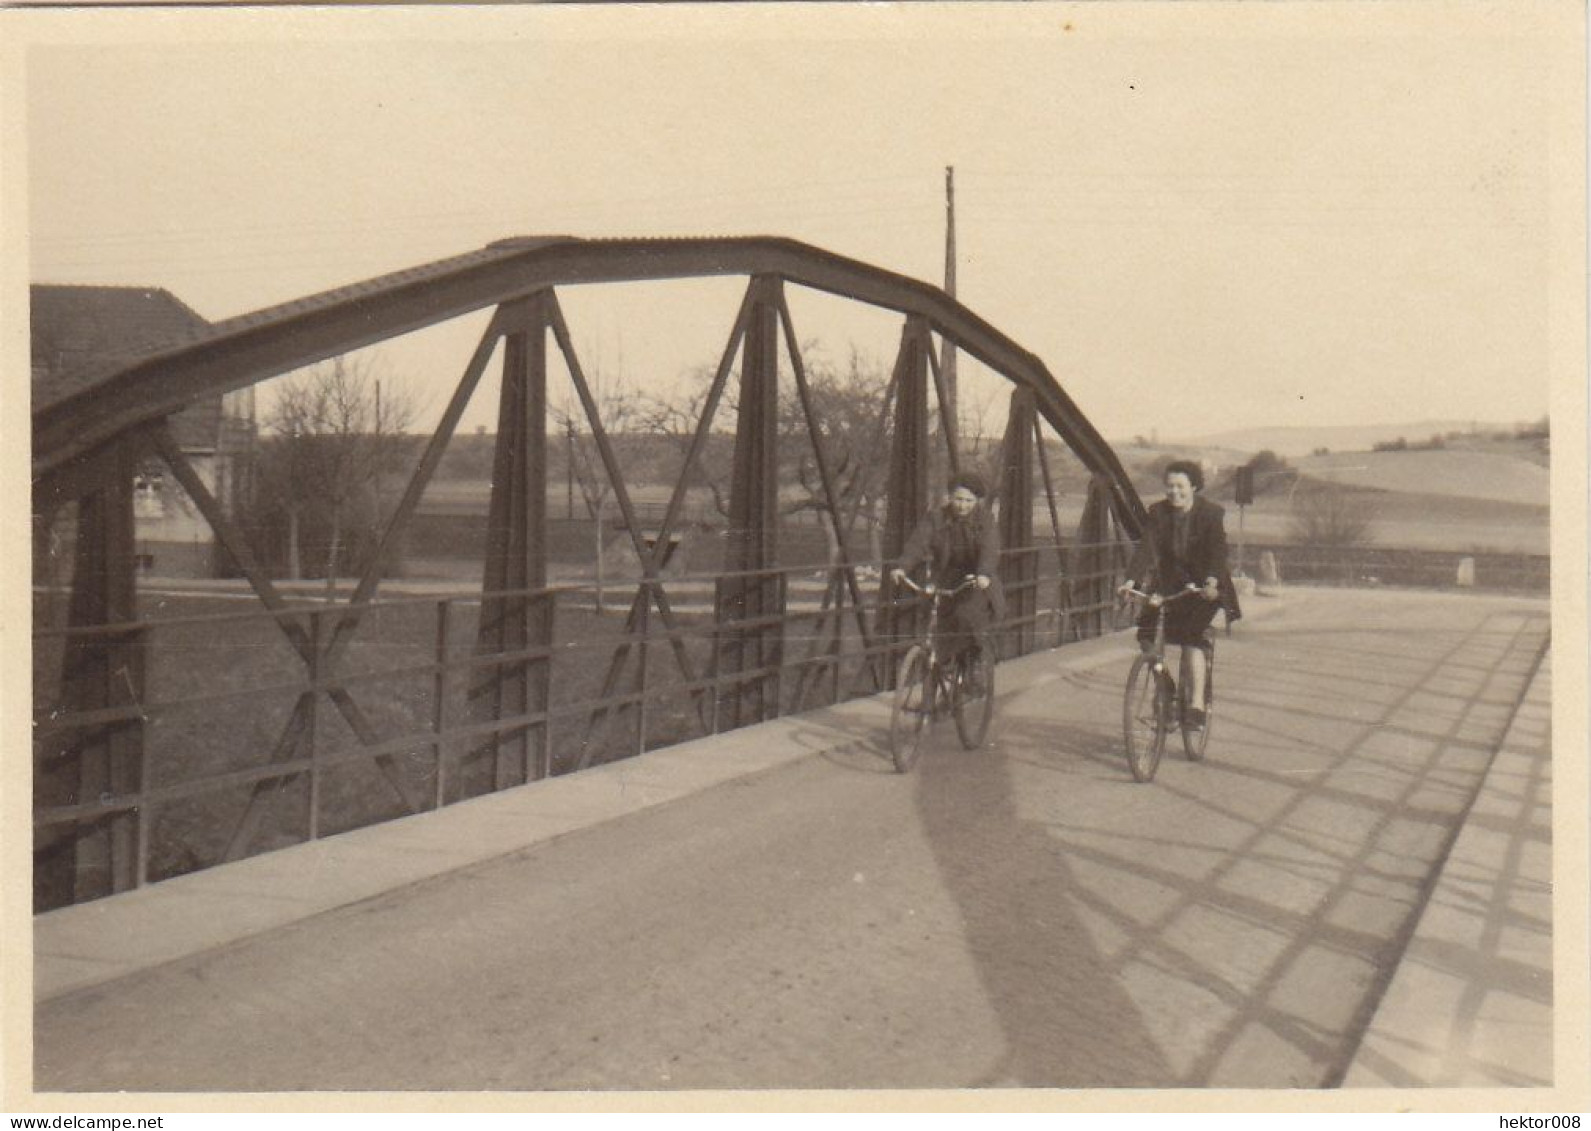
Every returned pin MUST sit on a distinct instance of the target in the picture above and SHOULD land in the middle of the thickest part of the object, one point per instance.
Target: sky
(1198, 225)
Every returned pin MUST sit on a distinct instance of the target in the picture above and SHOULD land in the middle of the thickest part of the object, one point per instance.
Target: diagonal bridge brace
(804, 391)
(323, 665)
(652, 560)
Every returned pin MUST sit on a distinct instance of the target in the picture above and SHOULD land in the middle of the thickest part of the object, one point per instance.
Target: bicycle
(1154, 703)
(926, 688)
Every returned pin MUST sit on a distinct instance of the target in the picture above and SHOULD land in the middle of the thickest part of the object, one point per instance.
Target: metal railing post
(439, 710)
(715, 643)
(139, 663)
(782, 596)
(311, 712)
(546, 684)
(642, 673)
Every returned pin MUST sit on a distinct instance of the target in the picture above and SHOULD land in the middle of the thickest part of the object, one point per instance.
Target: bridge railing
(1402, 566)
(233, 733)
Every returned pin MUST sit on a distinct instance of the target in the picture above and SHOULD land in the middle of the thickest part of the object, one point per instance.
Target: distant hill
(1301, 441)
(1460, 474)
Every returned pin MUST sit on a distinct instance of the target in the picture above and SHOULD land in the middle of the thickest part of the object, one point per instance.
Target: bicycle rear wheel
(973, 711)
(1194, 742)
(1143, 713)
(913, 704)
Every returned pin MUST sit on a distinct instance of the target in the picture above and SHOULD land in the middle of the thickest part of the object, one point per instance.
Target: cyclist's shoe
(1192, 718)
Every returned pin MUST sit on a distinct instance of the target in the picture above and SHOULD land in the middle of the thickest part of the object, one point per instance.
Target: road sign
(1245, 485)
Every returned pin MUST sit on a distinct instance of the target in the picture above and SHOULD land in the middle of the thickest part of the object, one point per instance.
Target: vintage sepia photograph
(1002, 551)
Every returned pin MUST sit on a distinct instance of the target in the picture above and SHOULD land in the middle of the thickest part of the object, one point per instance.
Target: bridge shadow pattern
(1236, 922)
(1484, 952)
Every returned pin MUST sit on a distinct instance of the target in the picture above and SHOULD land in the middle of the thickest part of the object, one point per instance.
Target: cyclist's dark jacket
(956, 547)
(1161, 565)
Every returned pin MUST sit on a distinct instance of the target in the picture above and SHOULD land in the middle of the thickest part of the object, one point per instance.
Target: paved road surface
(1025, 916)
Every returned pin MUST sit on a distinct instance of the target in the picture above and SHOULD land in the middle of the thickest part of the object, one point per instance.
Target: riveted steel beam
(908, 457)
(101, 669)
(1062, 581)
(515, 614)
(908, 479)
(944, 390)
(751, 591)
(1094, 560)
(1018, 564)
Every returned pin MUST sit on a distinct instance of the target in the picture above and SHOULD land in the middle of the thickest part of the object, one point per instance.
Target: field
(1464, 475)
(1293, 442)
(1419, 522)
(1440, 500)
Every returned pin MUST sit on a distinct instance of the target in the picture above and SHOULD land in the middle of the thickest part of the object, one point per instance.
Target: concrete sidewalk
(92, 943)
(1471, 1002)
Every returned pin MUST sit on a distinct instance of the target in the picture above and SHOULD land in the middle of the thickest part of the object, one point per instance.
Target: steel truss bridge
(492, 718)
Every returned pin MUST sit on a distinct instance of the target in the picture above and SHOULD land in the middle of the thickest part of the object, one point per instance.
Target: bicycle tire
(1194, 743)
(974, 712)
(913, 702)
(1143, 715)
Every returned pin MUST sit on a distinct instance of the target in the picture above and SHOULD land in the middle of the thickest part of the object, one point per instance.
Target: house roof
(77, 330)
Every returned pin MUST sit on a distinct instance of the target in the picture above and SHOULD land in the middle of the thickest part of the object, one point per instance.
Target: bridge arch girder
(72, 419)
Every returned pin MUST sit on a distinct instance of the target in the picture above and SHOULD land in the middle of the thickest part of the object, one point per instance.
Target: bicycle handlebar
(932, 590)
(1186, 592)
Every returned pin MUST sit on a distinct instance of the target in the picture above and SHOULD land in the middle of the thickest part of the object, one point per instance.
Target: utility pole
(949, 359)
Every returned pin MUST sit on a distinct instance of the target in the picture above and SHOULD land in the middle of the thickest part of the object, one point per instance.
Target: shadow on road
(1068, 1023)
(1235, 922)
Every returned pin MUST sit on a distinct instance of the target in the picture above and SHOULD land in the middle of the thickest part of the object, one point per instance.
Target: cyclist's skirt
(1187, 622)
(966, 621)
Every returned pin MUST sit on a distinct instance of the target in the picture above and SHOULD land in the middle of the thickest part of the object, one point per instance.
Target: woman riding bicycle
(1184, 544)
(960, 540)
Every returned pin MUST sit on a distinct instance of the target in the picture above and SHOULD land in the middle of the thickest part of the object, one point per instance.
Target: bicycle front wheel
(974, 698)
(1144, 710)
(908, 717)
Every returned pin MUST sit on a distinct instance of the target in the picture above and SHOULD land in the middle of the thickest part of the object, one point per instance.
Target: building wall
(173, 538)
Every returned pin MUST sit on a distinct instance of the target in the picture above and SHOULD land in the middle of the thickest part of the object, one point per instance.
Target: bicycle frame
(940, 686)
(1144, 748)
(1158, 648)
(930, 642)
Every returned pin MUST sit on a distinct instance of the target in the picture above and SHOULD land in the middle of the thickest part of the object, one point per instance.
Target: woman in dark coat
(960, 540)
(1183, 544)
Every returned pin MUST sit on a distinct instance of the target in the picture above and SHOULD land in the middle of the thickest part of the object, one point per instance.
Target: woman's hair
(1192, 470)
(971, 480)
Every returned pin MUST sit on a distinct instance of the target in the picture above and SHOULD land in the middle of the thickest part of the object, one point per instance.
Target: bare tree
(335, 432)
(674, 418)
(1330, 517)
(848, 412)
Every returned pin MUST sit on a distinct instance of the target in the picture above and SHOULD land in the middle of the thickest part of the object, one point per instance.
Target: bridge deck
(1024, 916)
